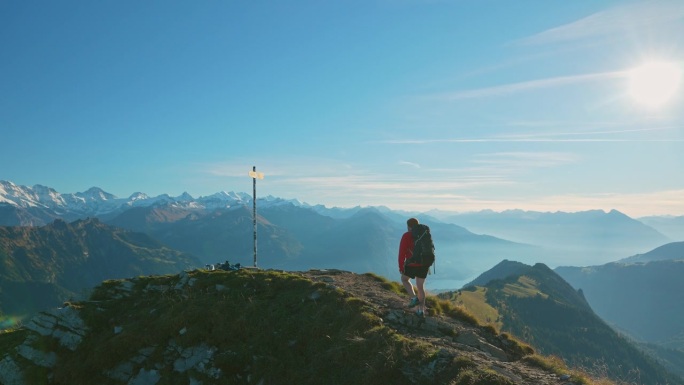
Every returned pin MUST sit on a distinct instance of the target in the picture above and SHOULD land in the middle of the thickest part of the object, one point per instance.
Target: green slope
(42, 266)
(541, 308)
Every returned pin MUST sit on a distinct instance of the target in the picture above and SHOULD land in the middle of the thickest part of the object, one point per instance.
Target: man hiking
(412, 270)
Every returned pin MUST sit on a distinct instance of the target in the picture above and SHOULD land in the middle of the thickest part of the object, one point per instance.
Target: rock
(124, 289)
(44, 359)
(195, 357)
(122, 372)
(10, 373)
(184, 281)
(63, 324)
(470, 338)
(145, 377)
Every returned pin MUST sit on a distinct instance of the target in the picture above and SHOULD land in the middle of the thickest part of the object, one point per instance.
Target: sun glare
(654, 83)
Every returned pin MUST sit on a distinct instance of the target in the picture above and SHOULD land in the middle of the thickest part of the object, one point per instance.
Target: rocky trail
(454, 338)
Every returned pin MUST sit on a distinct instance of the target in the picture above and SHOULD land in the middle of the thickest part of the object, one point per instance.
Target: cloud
(491, 183)
(614, 21)
(411, 164)
(513, 88)
(587, 136)
(527, 140)
(664, 202)
(526, 160)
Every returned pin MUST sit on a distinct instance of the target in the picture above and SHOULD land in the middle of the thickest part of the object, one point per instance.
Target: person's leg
(420, 285)
(405, 279)
(407, 285)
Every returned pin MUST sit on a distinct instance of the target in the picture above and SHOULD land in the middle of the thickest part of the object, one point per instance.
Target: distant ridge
(584, 237)
(670, 251)
(39, 205)
(534, 303)
(501, 271)
(219, 227)
(41, 266)
(643, 295)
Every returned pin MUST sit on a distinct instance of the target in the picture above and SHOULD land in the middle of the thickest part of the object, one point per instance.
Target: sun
(654, 83)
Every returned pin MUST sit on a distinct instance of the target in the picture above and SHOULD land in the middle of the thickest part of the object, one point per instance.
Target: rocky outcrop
(63, 325)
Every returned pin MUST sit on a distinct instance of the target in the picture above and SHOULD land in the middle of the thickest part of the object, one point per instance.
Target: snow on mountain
(96, 201)
(25, 197)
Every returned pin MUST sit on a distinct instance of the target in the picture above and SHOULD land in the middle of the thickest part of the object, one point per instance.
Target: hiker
(412, 270)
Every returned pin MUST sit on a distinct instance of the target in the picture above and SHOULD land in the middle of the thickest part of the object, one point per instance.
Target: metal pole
(254, 218)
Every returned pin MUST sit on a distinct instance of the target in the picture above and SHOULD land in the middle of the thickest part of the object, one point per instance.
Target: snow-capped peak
(95, 194)
(96, 201)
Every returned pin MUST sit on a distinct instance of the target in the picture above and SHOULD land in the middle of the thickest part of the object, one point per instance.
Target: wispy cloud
(614, 21)
(526, 159)
(410, 164)
(663, 202)
(525, 140)
(587, 136)
(507, 89)
(490, 182)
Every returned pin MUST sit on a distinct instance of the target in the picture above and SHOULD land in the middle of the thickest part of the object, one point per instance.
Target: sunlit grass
(556, 365)
(524, 287)
(474, 301)
(282, 326)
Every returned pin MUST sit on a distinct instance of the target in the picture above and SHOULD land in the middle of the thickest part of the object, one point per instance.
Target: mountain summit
(262, 327)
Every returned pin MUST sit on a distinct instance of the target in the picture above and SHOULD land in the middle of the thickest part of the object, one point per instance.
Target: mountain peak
(308, 331)
(96, 194)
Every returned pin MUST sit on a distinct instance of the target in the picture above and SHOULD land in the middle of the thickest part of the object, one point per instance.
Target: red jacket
(405, 249)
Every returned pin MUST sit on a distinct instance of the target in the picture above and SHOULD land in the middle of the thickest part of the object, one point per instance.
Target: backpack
(424, 248)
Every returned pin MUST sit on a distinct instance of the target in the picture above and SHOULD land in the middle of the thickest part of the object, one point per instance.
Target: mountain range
(56, 247)
(539, 306)
(42, 266)
(569, 238)
(642, 296)
(298, 235)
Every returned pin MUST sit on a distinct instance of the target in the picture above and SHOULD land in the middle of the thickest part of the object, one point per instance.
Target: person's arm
(404, 250)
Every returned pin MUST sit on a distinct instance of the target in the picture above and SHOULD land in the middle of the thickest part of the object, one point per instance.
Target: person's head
(411, 222)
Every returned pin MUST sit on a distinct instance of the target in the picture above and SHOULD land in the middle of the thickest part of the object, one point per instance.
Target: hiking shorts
(416, 271)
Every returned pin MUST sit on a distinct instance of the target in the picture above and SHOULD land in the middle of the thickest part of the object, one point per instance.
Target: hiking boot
(413, 303)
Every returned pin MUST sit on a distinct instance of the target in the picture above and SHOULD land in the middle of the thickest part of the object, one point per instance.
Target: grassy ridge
(279, 326)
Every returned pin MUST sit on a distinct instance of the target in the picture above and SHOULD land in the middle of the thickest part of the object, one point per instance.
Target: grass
(524, 287)
(280, 326)
(435, 305)
(481, 376)
(474, 301)
(11, 338)
(438, 306)
(270, 327)
(392, 286)
(556, 365)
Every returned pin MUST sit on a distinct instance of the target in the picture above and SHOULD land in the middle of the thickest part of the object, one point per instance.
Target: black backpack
(424, 248)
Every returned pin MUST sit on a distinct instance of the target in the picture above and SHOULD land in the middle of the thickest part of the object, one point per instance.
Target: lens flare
(654, 83)
(10, 322)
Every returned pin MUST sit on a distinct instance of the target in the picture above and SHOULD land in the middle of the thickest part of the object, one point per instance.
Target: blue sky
(412, 104)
